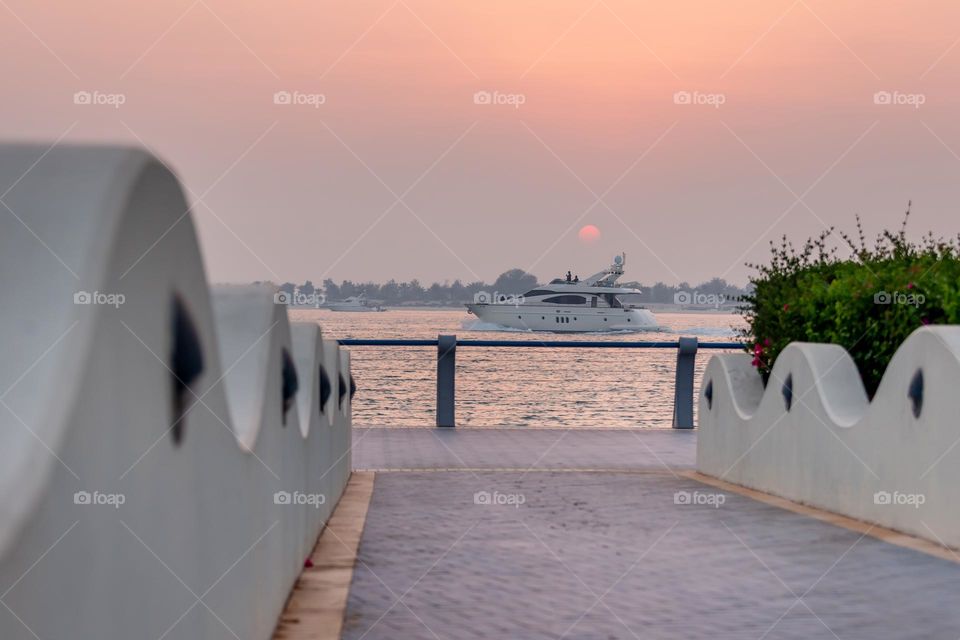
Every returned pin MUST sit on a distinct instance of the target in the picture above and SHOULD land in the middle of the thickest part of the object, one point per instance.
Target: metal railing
(447, 358)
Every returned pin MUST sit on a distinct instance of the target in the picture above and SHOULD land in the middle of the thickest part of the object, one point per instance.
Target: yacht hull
(564, 320)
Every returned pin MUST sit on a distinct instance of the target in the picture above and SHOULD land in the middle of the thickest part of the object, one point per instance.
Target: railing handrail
(447, 352)
(585, 344)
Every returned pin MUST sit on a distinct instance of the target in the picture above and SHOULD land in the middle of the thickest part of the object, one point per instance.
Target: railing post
(683, 385)
(446, 370)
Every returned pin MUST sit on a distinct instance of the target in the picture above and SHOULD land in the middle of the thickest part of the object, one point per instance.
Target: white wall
(834, 449)
(199, 548)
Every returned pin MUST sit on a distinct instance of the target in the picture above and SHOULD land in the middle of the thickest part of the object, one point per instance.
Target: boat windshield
(612, 301)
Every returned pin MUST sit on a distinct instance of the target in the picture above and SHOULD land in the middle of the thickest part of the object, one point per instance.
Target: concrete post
(446, 370)
(683, 384)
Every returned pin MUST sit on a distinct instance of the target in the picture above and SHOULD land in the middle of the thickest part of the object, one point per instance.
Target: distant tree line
(716, 287)
(514, 281)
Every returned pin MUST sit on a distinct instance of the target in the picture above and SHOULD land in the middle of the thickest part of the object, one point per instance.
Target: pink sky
(296, 192)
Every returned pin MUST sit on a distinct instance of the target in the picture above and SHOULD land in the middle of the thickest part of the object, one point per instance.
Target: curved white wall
(890, 461)
(199, 548)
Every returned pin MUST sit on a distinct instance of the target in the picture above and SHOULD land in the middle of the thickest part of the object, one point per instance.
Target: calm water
(612, 388)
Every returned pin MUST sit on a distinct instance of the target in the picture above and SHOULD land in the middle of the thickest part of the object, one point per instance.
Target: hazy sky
(401, 173)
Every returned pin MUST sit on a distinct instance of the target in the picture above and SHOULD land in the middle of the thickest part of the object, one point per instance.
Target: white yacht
(568, 305)
(354, 303)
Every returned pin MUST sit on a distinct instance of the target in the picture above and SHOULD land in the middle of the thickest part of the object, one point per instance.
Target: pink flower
(786, 307)
(767, 342)
(910, 286)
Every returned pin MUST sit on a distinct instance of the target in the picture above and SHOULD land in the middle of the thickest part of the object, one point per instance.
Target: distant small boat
(355, 303)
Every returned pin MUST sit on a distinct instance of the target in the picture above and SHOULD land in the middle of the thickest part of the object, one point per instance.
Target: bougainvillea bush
(867, 302)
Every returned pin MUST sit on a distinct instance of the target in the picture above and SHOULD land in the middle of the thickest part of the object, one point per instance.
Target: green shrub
(867, 303)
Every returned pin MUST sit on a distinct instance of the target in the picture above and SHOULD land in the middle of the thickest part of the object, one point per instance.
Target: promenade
(512, 533)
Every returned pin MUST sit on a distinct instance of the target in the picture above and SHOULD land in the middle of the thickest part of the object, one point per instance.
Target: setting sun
(589, 234)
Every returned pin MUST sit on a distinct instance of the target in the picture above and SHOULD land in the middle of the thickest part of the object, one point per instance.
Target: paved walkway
(517, 448)
(613, 555)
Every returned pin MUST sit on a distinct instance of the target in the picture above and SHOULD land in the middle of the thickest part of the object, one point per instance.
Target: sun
(589, 234)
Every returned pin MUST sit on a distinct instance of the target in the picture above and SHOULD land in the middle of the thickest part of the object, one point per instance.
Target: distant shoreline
(656, 307)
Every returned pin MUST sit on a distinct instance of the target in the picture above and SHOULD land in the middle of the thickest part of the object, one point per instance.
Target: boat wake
(479, 325)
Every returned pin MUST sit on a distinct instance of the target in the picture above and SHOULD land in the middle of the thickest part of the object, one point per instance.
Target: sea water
(524, 387)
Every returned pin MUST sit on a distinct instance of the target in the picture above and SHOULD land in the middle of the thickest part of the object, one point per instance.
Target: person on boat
(568, 276)
(577, 279)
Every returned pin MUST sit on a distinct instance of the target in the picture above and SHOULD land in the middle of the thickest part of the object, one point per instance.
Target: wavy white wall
(833, 448)
(199, 548)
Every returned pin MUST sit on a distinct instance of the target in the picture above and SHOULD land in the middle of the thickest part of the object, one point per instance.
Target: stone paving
(610, 554)
(390, 448)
